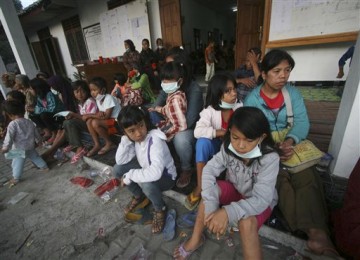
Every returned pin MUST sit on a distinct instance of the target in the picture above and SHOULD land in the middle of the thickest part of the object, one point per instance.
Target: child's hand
(4, 150)
(122, 184)
(70, 115)
(217, 222)
(101, 114)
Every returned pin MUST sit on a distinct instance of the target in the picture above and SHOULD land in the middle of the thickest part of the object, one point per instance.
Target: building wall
(200, 17)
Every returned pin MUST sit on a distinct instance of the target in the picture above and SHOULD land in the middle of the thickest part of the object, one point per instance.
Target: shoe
(78, 156)
(136, 203)
(169, 229)
(192, 201)
(181, 252)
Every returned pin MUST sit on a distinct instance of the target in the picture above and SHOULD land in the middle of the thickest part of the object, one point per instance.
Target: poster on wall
(94, 41)
(129, 21)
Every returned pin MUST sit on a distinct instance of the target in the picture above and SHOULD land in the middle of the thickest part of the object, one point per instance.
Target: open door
(249, 26)
(170, 22)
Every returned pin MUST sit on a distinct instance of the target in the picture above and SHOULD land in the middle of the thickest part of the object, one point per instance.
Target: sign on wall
(94, 42)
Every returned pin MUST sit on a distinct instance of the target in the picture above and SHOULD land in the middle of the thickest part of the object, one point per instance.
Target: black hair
(256, 50)
(274, 58)
(178, 54)
(81, 84)
(99, 82)
(217, 88)
(40, 86)
(43, 74)
(24, 80)
(14, 107)
(17, 96)
(121, 78)
(146, 40)
(157, 40)
(131, 44)
(173, 70)
(131, 115)
(252, 123)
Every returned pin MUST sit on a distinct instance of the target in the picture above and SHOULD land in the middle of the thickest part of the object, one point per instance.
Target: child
(210, 60)
(21, 134)
(102, 124)
(171, 118)
(144, 163)
(245, 199)
(125, 93)
(74, 123)
(140, 81)
(47, 105)
(62, 88)
(211, 128)
(249, 74)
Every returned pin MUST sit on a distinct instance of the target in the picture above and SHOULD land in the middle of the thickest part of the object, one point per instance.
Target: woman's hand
(286, 149)
(217, 222)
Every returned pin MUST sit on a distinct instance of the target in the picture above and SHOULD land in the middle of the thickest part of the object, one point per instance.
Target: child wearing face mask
(102, 124)
(221, 102)
(247, 196)
(171, 117)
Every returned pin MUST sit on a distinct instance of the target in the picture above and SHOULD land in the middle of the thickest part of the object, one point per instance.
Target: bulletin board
(94, 42)
(128, 21)
(303, 22)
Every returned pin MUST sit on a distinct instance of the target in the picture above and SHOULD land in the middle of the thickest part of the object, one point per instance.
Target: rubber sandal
(68, 148)
(169, 228)
(82, 181)
(92, 152)
(13, 182)
(106, 186)
(184, 184)
(78, 156)
(104, 151)
(187, 220)
(186, 254)
(192, 201)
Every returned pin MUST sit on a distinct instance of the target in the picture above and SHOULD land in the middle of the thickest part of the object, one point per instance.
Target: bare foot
(93, 151)
(320, 244)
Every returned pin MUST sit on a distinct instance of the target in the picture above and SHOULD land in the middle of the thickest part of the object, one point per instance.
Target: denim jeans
(18, 163)
(152, 190)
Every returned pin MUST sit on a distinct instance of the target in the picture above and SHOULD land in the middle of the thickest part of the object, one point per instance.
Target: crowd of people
(166, 131)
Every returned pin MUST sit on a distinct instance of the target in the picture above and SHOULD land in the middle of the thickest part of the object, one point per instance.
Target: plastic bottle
(106, 173)
(108, 195)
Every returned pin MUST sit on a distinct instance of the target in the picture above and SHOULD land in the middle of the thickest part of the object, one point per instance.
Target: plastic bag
(140, 253)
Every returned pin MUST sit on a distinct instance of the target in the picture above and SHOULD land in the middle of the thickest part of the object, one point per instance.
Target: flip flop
(92, 152)
(105, 150)
(192, 201)
(187, 220)
(186, 254)
(82, 181)
(169, 228)
(106, 186)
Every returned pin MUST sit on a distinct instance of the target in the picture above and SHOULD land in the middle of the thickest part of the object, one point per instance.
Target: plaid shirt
(242, 90)
(174, 112)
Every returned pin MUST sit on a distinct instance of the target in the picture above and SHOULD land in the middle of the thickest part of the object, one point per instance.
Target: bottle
(106, 173)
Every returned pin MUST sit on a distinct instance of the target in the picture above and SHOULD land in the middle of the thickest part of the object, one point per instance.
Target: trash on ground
(108, 195)
(23, 243)
(15, 199)
(106, 173)
(82, 181)
(230, 242)
(271, 247)
(140, 253)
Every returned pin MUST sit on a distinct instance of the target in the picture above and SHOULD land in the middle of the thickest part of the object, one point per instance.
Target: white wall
(154, 22)
(318, 62)
(345, 141)
(200, 17)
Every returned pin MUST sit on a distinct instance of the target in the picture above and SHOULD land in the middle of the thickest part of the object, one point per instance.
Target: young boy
(21, 135)
(248, 75)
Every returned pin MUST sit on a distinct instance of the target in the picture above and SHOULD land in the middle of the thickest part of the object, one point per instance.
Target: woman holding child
(301, 197)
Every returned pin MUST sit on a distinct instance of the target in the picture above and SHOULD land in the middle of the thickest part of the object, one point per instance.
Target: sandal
(192, 201)
(92, 152)
(184, 179)
(136, 203)
(158, 222)
(13, 182)
(180, 251)
(68, 148)
(78, 156)
(104, 150)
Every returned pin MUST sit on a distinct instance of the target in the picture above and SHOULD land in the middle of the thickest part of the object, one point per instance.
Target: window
(75, 40)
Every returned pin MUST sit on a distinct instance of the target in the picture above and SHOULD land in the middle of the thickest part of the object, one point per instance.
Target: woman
(301, 198)
(131, 57)
(149, 64)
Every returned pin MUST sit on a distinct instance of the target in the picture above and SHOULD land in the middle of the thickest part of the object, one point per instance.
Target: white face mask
(226, 105)
(254, 153)
(160, 46)
(55, 92)
(99, 97)
(170, 87)
(127, 49)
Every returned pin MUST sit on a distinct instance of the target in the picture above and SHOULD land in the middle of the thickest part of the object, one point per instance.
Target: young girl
(21, 134)
(245, 199)
(171, 118)
(102, 124)
(75, 123)
(47, 105)
(144, 163)
(211, 127)
(140, 81)
(124, 92)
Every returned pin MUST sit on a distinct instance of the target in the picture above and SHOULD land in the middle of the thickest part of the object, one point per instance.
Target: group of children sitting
(229, 138)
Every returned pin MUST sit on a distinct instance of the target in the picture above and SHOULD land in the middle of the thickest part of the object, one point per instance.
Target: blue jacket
(53, 104)
(278, 122)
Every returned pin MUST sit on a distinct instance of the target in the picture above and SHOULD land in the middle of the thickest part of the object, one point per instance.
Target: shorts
(230, 194)
(111, 124)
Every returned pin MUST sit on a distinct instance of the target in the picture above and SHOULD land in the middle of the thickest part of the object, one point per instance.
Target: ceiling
(223, 6)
